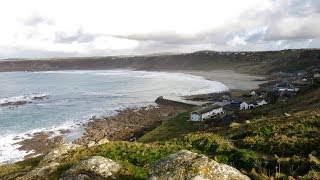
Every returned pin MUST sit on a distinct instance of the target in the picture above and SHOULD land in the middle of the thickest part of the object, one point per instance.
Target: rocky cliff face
(186, 165)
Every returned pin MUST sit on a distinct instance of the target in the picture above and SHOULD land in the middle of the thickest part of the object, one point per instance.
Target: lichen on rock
(96, 167)
(188, 165)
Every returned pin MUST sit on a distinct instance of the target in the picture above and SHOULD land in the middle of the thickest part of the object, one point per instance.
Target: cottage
(253, 93)
(262, 102)
(252, 105)
(244, 105)
(285, 87)
(205, 113)
(231, 108)
(225, 98)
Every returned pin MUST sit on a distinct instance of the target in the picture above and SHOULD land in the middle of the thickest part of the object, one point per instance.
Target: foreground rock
(59, 152)
(96, 167)
(188, 165)
(40, 143)
(40, 172)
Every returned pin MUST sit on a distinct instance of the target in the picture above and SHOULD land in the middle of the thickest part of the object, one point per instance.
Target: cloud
(35, 19)
(49, 28)
(78, 36)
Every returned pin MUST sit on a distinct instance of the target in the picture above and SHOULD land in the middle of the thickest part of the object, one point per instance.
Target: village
(224, 107)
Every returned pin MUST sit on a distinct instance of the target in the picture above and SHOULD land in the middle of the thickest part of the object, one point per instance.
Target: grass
(271, 146)
(11, 171)
(173, 128)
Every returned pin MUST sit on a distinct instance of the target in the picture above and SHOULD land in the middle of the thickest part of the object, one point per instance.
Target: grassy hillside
(272, 145)
(244, 62)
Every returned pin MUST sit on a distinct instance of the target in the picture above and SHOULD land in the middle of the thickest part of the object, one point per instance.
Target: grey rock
(96, 167)
(59, 152)
(40, 172)
(103, 141)
(91, 144)
(186, 165)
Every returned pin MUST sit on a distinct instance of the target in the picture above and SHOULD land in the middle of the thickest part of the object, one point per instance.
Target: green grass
(170, 129)
(271, 146)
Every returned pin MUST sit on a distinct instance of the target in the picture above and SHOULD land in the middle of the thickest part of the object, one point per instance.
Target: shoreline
(132, 128)
(230, 78)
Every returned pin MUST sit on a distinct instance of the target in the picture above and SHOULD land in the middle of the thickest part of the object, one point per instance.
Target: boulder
(186, 165)
(103, 141)
(96, 167)
(59, 151)
(91, 144)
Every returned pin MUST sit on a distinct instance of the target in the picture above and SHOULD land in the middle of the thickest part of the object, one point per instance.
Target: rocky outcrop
(103, 141)
(128, 125)
(59, 152)
(188, 165)
(40, 143)
(40, 172)
(96, 167)
(167, 102)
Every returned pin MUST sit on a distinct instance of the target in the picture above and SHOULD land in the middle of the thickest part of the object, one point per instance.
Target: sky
(60, 28)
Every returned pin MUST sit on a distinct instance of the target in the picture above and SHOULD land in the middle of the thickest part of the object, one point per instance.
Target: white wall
(263, 102)
(195, 117)
(244, 105)
(210, 113)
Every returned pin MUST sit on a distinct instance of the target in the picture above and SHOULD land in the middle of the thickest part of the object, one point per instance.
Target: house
(284, 86)
(262, 102)
(252, 105)
(244, 105)
(225, 98)
(206, 112)
(237, 100)
(316, 76)
(253, 93)
(231, 108)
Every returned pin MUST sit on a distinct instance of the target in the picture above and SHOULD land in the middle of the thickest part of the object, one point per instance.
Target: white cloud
(43, 28)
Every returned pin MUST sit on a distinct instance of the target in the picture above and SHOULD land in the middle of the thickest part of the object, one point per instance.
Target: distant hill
(262, 62)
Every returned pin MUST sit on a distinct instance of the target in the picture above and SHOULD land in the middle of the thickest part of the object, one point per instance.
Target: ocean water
(55, 100)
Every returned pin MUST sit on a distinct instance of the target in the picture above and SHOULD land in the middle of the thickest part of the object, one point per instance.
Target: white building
(206, 113)
(262, 102)
(253, 93)
(251, 105)
(244, 106)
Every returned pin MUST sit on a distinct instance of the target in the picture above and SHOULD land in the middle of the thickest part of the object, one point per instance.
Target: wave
(9, 142)
(21, 100)
(137, 74)
(212, 87)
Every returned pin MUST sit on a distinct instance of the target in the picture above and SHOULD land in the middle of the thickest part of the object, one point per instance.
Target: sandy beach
(232, 79)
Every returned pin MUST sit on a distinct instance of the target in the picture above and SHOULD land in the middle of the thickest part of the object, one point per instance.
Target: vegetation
(264, 62)
(272, 145)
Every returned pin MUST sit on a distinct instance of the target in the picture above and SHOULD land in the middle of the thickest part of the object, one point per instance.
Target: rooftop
(207, 109)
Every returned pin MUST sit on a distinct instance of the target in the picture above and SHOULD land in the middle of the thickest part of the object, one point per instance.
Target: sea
(33, 102)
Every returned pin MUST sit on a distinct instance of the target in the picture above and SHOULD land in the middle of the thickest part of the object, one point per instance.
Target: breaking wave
(21, 100)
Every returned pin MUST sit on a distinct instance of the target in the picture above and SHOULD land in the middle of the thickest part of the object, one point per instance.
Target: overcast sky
(59, 28)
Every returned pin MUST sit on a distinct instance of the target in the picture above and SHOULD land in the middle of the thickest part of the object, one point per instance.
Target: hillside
(264, 62)
(272, 145)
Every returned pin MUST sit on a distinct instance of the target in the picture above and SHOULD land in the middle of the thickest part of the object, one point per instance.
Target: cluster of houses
(230, 106)
(286, 88)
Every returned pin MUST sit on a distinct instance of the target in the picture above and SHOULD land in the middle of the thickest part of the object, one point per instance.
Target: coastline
(126, 125)
(230, 78)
